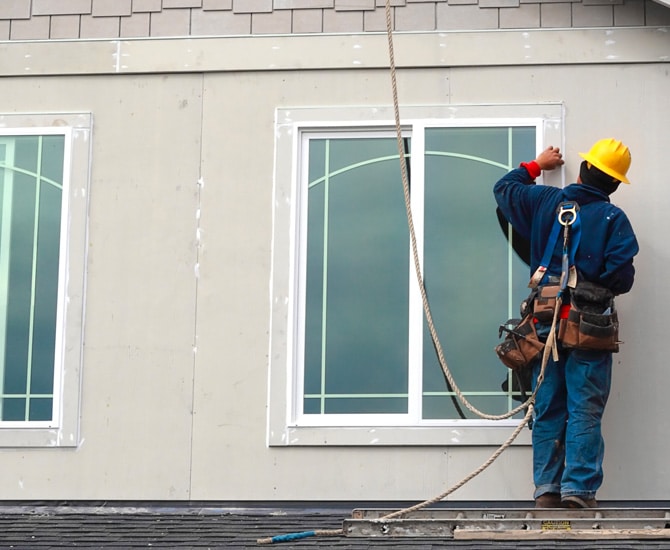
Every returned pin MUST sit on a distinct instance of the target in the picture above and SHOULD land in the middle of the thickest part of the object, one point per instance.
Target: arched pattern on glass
(31, 185)
(474, 280)
(357, 348)
(356, 297)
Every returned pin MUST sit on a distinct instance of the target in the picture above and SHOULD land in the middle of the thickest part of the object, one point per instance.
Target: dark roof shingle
(188, 526)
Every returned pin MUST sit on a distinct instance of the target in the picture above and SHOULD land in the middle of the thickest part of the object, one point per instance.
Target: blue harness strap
(570, 245)
(568, 217)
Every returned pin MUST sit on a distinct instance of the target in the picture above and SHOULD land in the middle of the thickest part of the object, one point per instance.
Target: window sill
(37, 437)
(458, 433)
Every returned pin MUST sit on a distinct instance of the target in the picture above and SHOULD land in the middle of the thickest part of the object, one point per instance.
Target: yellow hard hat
(610, 156)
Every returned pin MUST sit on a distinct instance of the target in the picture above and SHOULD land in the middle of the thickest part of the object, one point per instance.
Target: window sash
(28, 378)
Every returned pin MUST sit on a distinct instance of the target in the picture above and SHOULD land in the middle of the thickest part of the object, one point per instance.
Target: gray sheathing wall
(176, 364)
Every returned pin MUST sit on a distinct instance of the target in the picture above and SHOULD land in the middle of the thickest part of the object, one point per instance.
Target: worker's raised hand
(550, 158)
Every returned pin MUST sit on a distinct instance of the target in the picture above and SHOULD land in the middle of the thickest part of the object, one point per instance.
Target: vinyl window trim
(285, 426)
(64, 428)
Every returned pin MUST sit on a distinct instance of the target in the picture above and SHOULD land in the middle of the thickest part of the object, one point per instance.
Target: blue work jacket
(607, 245)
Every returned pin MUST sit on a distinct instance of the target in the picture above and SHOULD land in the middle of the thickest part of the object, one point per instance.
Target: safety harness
(567, 215)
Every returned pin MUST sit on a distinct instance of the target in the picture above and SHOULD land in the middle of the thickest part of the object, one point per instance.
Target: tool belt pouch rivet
(521, 346)
(592, 323)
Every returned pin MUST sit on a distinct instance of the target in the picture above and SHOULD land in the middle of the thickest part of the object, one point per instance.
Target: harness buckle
(567, 212)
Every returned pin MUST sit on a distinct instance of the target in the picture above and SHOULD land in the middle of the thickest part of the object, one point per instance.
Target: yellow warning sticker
(555, 525)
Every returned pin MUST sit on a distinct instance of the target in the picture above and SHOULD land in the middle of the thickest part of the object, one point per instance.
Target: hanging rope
(550, 344)
(413, 241)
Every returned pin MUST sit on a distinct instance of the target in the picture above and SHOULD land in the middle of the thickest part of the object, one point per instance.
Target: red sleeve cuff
(533, 168)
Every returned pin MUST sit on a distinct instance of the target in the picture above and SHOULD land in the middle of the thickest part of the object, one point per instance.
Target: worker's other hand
(550, 158)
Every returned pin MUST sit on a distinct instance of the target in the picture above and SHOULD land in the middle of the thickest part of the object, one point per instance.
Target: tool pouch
(592, 323)
(544, 302)
(521, 346)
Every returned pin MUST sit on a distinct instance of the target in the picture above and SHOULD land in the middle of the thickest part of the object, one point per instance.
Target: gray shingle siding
(108, 19)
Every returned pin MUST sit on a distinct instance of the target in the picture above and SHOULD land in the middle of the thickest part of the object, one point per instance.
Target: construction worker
(568, 446)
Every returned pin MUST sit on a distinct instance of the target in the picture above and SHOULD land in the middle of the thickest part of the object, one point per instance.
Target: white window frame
(63, 429)
(286, 426)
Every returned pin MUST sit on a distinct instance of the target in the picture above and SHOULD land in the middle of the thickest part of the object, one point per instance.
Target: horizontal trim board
(336, 51)
(443, 436)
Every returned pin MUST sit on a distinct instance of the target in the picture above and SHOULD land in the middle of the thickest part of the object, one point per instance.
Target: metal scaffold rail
(513, 523)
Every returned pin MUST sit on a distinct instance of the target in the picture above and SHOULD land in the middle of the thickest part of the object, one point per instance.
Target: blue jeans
(568, 446)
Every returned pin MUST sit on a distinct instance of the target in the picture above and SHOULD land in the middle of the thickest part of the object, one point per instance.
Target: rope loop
(414, 246)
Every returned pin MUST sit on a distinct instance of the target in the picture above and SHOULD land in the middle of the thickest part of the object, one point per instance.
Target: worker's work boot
(548, 500)
(574, 501)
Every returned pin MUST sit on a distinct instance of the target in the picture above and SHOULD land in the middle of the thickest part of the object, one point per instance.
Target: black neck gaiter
(594, 177)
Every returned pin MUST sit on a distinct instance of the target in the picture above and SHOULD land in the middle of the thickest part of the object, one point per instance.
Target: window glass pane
(366, 405)
(20, 282)
(52, 158)
(46, 289)
(315, 272)
(26, 154)
(40, 409)
(434, 406)
(356, 319)
(14, 409)
(469, 272)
